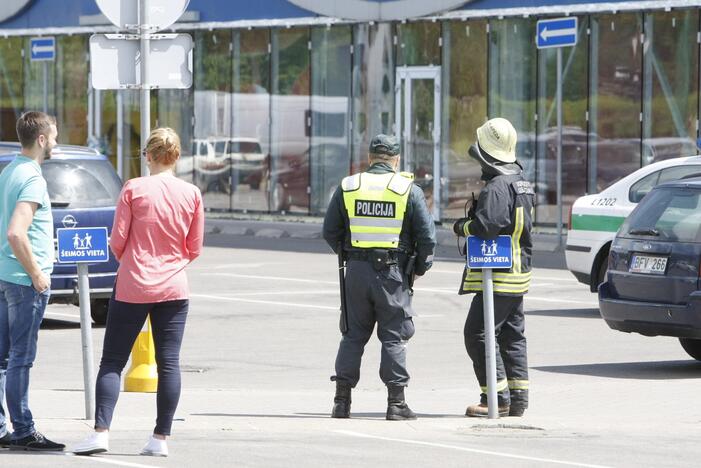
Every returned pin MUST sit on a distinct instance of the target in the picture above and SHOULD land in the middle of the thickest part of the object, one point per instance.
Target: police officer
(379, 222)
(505, 206)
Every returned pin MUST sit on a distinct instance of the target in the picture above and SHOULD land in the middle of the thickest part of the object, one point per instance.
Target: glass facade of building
(277, 116)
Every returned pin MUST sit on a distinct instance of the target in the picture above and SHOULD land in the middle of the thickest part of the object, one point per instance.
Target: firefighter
(505, 206)
(379, 225)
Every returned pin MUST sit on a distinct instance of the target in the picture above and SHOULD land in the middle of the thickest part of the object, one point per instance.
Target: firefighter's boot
(519, 402)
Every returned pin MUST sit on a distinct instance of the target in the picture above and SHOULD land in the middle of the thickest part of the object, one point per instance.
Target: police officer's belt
(379, 258)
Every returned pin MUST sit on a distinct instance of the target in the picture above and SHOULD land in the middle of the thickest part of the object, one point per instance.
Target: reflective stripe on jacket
(505, 207)
(376, 204)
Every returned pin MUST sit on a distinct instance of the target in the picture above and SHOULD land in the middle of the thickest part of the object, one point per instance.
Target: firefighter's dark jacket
(505, 207)
(418, 233)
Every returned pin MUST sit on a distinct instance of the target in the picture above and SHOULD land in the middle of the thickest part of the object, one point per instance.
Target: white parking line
(536, 276)
(551, 278)
(59, 314)
(255, 301)
(232, 265)
(275, 278)
(109, 461)
(467, 449)
(561, 301)
(287, 293)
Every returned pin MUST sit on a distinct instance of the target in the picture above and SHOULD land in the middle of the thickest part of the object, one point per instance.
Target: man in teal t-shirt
(26, 262)
(23, 182)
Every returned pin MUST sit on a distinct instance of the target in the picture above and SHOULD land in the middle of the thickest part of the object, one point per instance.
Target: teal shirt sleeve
(34, 190)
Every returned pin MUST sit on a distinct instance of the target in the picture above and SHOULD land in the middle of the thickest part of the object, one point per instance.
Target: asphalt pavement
(259, 350)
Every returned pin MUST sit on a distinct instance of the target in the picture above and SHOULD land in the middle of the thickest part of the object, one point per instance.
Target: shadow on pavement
(652, 370)
(318, 415)
(566, 313)
(55, 324)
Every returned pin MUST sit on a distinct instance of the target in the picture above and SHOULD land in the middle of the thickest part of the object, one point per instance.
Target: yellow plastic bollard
(143, 373)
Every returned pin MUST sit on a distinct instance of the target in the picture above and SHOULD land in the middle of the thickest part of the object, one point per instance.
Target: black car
(653, 284)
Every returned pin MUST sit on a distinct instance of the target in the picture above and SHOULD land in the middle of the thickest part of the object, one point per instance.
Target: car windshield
(668, 213)
(79, 183)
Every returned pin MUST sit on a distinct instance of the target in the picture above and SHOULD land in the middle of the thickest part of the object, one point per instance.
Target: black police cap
(384, 144)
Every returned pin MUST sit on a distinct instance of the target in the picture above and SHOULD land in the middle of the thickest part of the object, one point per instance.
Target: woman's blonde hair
(163, 145)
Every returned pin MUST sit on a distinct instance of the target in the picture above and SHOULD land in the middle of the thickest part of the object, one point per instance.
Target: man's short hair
(382, 157)
(32, 124)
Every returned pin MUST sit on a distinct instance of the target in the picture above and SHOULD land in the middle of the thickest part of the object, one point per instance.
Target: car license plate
(648, 265)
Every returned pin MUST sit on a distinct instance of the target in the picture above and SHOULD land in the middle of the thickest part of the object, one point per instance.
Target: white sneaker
(97, 442)
(155, 448)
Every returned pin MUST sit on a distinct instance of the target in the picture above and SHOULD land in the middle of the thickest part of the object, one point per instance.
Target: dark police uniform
(379, 219)
(505, 206)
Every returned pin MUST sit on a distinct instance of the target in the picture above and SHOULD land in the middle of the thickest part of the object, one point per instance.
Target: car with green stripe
(595, 219)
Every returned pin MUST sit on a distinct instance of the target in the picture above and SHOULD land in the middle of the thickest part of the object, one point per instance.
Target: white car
(595, 219)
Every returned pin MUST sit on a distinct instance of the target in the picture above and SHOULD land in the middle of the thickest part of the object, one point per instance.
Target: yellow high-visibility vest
(376, 204)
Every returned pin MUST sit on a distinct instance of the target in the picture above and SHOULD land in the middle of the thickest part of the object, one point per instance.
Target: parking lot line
(468, 449)
(110, 461)
(560, 301)
(275, 278)
(233, 266)
(256, 301)
(59, 314)
(316, 292)
(563, 279)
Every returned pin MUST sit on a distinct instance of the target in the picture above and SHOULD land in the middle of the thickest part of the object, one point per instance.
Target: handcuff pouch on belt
(382, 258)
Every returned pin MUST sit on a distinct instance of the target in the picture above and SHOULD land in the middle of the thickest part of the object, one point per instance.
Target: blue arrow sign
(558, 32)
(82, 245)
(495, 253)
(42, 49)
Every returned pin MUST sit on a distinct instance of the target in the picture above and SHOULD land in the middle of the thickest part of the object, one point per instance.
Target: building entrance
(418, 123)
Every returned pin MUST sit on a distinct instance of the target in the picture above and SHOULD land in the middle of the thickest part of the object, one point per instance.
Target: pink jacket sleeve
(195, 237)
(122, 222)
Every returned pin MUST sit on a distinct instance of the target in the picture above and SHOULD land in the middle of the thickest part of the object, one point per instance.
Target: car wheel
(692, 347)
(98, 311)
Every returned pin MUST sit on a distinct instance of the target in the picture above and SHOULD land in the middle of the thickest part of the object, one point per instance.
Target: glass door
(418, 124)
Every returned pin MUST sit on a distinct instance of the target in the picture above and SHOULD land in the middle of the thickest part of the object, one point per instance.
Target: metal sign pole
(86, 339)
(46, 87)
(145, 32)
(490, 343)
(559, 146)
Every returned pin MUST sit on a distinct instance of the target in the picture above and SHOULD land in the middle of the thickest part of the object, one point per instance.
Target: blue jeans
(124, 322)
(21, 311)
(3, 421)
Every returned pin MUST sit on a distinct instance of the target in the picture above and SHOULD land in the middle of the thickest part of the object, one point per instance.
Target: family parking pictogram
(83, 243)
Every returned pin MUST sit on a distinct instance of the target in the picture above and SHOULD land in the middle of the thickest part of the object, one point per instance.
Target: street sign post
(143, 18)
(83, 246)
(558, 33)
(116, 63)
(488, 254)
(43, 49)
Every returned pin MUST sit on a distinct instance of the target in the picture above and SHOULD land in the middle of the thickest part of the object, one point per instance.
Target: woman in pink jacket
(158, 230)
